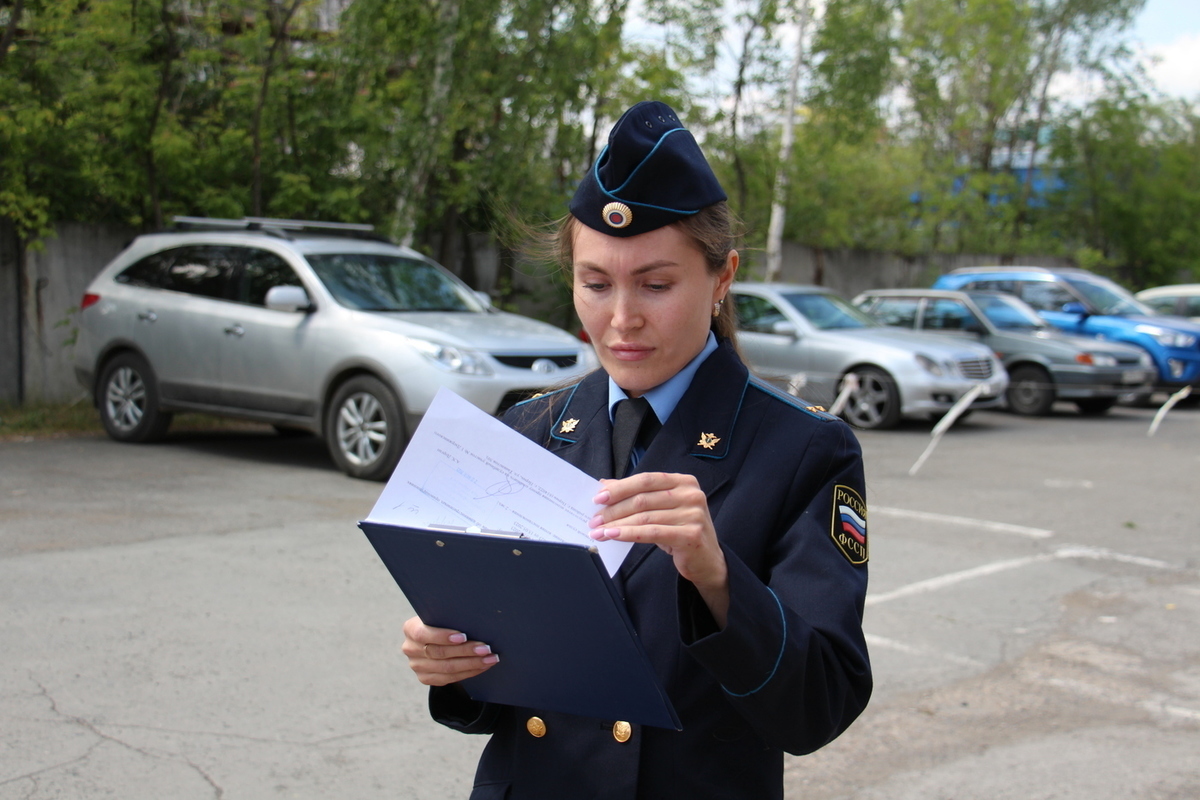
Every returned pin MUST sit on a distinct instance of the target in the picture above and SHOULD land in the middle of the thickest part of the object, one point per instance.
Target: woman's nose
(626, 313)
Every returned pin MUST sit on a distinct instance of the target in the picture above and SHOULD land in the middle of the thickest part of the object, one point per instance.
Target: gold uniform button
(536, 727)
(622, 731)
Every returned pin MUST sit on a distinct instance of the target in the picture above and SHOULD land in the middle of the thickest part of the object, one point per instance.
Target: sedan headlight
(929, 365)
(454, 359)
(1097, 359)
(1167, 338)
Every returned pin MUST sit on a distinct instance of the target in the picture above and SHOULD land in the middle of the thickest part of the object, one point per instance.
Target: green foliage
(1132, 196)
(433, 119)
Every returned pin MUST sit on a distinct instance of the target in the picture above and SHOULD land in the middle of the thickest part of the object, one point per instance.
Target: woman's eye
(595, 287)
(658, 287)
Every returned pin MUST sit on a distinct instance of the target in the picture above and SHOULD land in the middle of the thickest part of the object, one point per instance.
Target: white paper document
(464, 469)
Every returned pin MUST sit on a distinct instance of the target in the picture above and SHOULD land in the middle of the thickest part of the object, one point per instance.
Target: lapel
(582, 433)
(696, 438)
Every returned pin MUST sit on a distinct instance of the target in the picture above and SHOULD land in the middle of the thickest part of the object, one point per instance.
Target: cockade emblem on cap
(708, 441)
(617, 215)
(568, 426)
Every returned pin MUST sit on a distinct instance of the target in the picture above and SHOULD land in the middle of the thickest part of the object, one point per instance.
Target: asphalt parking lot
(202, 619)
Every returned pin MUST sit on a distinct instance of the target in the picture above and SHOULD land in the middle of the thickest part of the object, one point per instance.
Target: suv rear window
(203, 270)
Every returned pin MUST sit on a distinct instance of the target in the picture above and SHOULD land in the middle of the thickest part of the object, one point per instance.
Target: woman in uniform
(748, 572)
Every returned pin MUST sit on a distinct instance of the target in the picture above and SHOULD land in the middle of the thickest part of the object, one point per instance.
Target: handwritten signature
(500, 488)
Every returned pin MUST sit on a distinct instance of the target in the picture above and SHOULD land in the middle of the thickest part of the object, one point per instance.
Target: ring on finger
(426, 651)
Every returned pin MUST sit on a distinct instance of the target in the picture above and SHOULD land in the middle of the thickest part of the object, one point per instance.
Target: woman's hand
(668, 510)
(440, 656)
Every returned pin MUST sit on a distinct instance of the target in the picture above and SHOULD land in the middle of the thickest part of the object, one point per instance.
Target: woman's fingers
(669, 510)
(440, 656)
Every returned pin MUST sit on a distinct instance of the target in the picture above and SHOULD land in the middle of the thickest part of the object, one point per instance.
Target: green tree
(1131, 173)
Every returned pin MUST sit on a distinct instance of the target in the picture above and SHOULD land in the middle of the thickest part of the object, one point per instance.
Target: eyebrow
(653, 265)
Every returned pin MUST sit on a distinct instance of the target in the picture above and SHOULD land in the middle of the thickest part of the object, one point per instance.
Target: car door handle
(235, 330)
(148, 316)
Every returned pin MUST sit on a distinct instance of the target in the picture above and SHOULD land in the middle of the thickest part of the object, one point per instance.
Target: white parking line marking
(987, 525)
(891, 644)
(1070, 551)
(1101, 554)
(942, 581)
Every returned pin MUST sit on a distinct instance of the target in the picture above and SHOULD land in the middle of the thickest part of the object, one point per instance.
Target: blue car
(1080, 302)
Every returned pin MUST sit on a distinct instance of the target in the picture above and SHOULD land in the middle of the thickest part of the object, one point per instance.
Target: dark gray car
(1044, 365)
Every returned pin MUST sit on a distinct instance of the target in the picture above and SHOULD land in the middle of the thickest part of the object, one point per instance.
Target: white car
(809, 339)
(1178, 300)
(322, 327)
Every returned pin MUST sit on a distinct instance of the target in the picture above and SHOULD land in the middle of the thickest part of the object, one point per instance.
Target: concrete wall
(55, 277)
(40, 292)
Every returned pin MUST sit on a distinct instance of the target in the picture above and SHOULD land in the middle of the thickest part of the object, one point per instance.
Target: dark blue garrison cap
(650, 174)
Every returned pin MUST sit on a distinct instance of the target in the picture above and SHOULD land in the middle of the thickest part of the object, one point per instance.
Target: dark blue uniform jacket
(790, 670)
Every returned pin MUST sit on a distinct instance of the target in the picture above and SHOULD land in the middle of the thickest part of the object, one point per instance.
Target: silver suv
(320, 327)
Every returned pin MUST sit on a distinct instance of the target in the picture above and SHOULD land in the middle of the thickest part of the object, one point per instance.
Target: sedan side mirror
(288, 298)
(785, 328)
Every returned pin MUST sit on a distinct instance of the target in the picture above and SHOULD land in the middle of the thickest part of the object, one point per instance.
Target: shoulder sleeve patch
(849, 526)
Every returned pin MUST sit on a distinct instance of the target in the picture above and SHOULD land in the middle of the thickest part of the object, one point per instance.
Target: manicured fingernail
(598, 534)
(596, 521)
(482, 649)
(458, 638)
(602, 498)
(492, 659)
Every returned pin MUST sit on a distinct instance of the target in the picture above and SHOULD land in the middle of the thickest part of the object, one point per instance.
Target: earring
(717, 307)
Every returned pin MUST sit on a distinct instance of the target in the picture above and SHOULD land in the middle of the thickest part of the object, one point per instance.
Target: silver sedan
(810, 340)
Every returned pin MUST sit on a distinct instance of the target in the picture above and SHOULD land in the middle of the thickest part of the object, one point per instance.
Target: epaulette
(541, 395)
(795, 402)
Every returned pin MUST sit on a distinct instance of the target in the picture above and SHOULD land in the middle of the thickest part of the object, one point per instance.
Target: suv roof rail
(283, 228)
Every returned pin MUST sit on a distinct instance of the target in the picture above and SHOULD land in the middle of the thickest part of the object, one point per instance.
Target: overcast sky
(1170, 30)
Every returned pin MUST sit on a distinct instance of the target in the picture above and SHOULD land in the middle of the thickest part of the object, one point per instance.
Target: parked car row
(810, 340)
(1044, 364)
(1079, 302)
(328, 328)
(1028, 336)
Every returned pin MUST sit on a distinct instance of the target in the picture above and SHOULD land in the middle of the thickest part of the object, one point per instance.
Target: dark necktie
(634, 423)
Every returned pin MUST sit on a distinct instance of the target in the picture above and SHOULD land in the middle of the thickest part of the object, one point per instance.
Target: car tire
(1030, 391)
(128, 400)
(364, 428)
(876, 401)
(1095, 406)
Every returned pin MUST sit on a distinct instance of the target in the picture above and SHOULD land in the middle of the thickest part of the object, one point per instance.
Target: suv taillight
(89, 299)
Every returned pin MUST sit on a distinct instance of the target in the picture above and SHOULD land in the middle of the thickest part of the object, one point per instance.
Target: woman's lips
(630, 352)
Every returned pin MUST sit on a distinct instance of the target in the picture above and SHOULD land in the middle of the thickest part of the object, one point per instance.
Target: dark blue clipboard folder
(549, 609)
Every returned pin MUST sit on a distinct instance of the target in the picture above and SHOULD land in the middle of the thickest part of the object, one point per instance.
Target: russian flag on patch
(853, 524)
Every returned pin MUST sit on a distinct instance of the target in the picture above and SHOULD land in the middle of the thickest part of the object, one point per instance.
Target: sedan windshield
(1108, 298)
(375, 282)
(1009, 313)
(829, 312)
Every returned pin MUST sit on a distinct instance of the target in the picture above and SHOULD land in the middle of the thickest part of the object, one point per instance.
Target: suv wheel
(364, 428)
(1030, 391)
(128, 400)
(876, 401)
